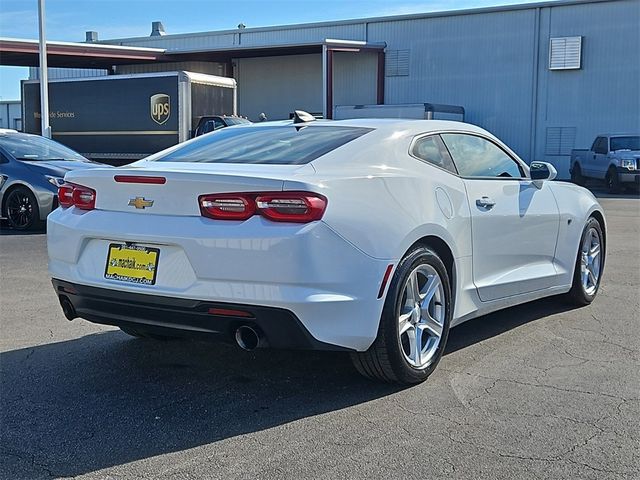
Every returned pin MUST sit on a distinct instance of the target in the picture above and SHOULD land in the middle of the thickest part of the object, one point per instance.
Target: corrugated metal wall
(55, 73)
(482, 62)
(354, 78)
(210, 68)
(11, 115)
(279, 85)
(250, 37)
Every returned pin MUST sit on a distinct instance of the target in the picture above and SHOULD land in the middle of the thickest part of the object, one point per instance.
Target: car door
(600, 160)
(514, 222)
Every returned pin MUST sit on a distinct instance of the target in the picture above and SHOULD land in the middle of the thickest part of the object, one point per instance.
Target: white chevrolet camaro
(368, 236)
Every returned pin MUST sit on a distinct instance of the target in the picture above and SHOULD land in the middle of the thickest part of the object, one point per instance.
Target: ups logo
(160, 108)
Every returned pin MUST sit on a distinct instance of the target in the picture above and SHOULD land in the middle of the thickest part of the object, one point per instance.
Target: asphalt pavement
(539, 391)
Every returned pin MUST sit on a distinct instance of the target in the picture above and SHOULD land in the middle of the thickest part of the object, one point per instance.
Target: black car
(215, 122)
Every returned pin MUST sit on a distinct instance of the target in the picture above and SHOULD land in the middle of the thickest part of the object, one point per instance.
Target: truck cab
(612, 158)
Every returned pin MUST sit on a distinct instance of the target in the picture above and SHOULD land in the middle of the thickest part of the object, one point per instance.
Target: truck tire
(576, 175)
(613, 181)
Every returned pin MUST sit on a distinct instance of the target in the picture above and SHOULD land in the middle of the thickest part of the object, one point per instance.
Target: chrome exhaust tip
(67, 308)
(247, 338)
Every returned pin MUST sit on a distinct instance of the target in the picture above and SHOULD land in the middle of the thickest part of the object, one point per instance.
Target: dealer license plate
(132, 263)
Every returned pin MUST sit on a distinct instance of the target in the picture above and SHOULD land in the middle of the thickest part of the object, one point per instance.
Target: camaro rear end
(352, 235)
(208, 249)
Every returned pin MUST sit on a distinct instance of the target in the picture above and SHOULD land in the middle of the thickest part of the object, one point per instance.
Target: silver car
(31, 169)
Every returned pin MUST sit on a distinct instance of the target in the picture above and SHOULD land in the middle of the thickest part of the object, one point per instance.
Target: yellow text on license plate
(132, 263)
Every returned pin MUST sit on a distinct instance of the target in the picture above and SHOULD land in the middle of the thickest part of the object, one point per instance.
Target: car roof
(4, 131)
(407, 126)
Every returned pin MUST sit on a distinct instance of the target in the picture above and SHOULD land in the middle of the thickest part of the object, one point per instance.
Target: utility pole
(44, 77)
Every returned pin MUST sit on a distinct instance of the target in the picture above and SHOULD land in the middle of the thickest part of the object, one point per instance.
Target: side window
(601, 145)
(432, 150)
(217, 123)
(3, 159)
(477, 157)
(208, 126)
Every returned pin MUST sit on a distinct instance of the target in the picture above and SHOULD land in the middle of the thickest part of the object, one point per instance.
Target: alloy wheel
(20, 209)
(591, 261)
(422, 315)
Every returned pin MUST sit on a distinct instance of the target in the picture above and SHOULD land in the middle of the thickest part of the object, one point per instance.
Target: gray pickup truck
(612, 158)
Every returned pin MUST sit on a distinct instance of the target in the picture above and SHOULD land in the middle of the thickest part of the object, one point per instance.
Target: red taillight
(227, 207)
(70, 195)
(299, 207)
(65, 195)
(140, 179)
(296, 207)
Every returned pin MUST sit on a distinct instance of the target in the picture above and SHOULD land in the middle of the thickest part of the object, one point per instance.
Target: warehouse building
(544, 77)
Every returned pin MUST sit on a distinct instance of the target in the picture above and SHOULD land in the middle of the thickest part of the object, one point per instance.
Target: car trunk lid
(174, 188)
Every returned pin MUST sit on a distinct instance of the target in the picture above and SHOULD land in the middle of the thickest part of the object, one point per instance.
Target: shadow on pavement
(106, 399)
(6, 230)
(482, 328)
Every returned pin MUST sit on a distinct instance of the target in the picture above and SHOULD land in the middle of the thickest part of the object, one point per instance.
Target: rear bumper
(325, 282)
(187, 318)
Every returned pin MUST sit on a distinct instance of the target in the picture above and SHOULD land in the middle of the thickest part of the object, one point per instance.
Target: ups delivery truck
(118, 119)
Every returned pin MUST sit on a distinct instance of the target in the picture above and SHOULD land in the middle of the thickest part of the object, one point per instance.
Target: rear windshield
(34, 148)
(625, 143)
(280, 145)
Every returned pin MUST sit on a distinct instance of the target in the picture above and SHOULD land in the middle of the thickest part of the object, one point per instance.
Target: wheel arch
(599, 216)
(442, 249)
(13, 187)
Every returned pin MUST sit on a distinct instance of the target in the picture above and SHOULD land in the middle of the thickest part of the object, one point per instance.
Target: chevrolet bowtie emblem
(140, 202)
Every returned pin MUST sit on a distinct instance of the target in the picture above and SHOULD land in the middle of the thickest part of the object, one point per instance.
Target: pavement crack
(31, 458)
(544, 385)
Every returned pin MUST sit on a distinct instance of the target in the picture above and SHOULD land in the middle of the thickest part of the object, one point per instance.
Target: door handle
(485, 202)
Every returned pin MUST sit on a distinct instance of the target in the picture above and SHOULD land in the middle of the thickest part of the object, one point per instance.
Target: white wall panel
(355, 78)
(279, 85)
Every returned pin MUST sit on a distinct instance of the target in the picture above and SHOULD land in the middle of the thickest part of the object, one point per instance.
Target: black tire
(613, 181)
(21, 209)
(576, 175)
(578, 296)
(385, 359)
(141, 333)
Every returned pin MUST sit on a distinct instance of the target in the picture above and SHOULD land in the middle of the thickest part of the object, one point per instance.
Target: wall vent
(565, 53)
(560, 140)
(396, 63)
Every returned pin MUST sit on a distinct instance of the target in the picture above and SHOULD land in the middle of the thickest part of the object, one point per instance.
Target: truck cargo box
(122, 118)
